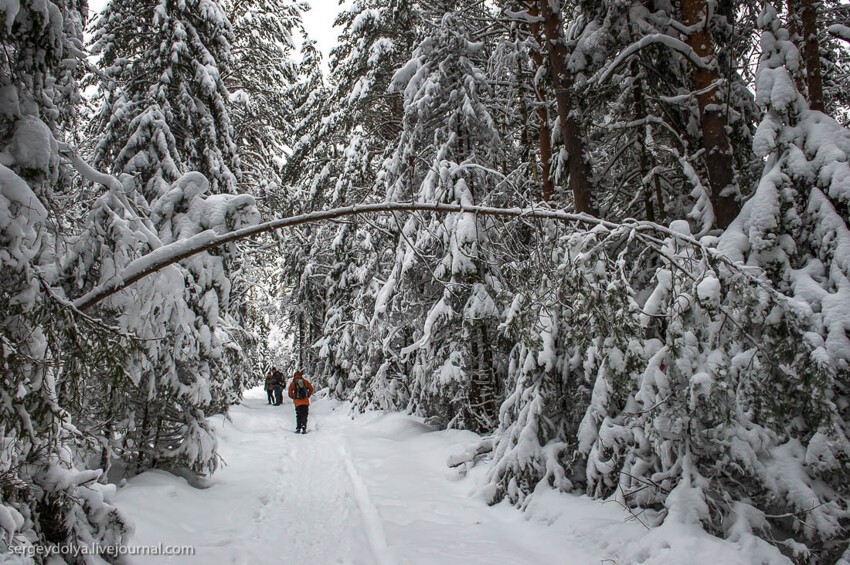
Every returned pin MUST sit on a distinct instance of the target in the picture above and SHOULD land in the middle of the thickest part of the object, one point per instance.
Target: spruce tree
(165, 108)
(443, 285)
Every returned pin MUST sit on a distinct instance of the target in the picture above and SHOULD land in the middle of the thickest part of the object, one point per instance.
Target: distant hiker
(300, 391)
(269, 387)
(278, 381)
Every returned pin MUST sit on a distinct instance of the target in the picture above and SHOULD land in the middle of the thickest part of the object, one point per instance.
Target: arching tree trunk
(170, 254)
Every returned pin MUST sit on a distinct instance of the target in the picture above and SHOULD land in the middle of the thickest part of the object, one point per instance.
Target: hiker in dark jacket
(269, 387)
(300, 391)
(277, 382)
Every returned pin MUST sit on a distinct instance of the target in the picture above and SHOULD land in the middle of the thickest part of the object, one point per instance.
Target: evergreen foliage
(46, 494)
(165, 107)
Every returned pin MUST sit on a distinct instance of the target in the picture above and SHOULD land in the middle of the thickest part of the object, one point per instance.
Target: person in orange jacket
(300, 391)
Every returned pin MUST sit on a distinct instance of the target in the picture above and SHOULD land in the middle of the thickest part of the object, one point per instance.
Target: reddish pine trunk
(718, 152)
(556, 49)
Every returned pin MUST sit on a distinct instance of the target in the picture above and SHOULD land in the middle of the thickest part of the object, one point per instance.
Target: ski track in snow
(374, 528)
(374, 490)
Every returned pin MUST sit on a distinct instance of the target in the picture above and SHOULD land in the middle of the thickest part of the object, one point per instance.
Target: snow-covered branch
(840, 31)
(177, 251)
(87, 171)
(670, 42)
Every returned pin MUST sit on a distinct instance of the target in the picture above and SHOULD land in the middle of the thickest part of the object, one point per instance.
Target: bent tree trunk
(169, 254)
(581, 175)
(706, 79)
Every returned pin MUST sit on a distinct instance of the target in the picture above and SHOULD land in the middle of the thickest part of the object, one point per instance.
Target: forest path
(373, 490)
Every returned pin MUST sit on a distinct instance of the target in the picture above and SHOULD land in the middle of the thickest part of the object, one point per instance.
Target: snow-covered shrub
(572, 365)
(731, 392)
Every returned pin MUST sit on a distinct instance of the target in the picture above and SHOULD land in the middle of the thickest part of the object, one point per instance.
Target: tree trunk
(481, 393)
(143, 439)
(188, 248)
(718, 152)
(794, 31)
(811, 53)
(640, 115)
(581, 175)
(544, 135)
(301, 338)
(488, 385)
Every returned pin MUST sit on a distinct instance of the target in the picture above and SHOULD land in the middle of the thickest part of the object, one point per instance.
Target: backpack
(300, 389)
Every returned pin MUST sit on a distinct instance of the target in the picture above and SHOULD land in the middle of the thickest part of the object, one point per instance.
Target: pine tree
(166, 111)
(570, 115)
(648, 112)
(180, 313)
(793, 228)
(343, 132)
(377, 38)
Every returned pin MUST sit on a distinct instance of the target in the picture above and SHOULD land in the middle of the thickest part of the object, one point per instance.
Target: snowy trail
(373, 490)
(282, 498)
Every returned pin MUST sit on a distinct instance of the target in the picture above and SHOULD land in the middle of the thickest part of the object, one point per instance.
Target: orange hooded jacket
(300, 401)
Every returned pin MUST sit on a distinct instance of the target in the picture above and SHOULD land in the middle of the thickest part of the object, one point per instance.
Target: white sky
(319, 23)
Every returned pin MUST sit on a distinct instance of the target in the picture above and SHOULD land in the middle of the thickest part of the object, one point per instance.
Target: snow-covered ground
(376, 490)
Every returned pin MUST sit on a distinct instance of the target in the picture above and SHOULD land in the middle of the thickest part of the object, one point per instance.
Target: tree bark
(640, 114)
(301, 332)
(718, 152)
(581, 175)
(487, 388)
(482, 387)
(544, 134)
(811, 53)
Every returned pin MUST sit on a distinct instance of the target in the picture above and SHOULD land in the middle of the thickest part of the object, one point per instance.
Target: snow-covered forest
(620, 251)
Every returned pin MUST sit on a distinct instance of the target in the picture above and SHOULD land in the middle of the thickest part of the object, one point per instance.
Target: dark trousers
(301, 413)
(278, 394)
(270, 394)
